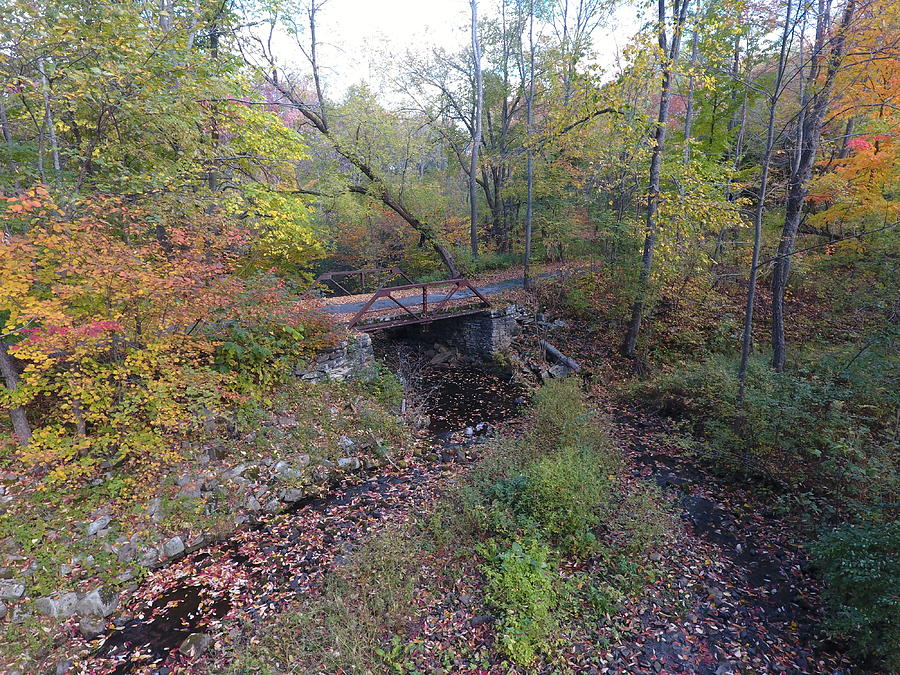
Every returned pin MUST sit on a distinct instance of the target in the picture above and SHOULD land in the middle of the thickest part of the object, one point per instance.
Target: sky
(357, 34)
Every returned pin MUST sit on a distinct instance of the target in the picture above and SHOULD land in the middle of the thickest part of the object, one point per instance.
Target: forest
(678, 451)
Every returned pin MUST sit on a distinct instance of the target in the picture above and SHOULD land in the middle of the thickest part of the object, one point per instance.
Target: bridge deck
(415, 308)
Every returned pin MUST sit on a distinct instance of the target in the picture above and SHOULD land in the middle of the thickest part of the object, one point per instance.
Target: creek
(265, 566)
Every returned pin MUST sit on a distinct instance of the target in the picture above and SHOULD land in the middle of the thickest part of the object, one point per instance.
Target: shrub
(861, 568)
(565, 496)
(795, 428)
(559, 409)
(520, 588)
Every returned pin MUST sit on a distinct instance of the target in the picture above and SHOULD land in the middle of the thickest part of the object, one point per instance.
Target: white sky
(355, 34)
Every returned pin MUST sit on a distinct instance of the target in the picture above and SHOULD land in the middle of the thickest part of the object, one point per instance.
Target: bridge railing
(384, 273)
(416, 308)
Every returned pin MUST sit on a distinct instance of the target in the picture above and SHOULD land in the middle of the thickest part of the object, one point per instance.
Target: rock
(154, 509)
(99, 524)
(252, 504)
(147, 556)
(235, 471)
(90, 628)
(349, 463)
(189, 492)
(125, 553)
(58, 607)
(173, 547)
(301, 461)
(287, 421)
(346, 442)
(194, 644)
(558, 371)
(10, 590)
(290, 495)
(286, 472)
(196, 543)
(272, 506)
(63, 667)
(100, 603)
(3, 609)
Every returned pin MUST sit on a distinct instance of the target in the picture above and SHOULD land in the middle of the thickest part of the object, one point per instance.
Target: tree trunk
(476, 132)
(689, 106)
(845, 141)
(810, 134)
(659, 137)
(529, 158)
(48, 117)
(21, 428)
(747, 340)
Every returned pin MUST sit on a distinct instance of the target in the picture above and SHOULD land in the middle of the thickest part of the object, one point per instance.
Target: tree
(476, 132)
(258, 54)
(826, 60)
(529, 170)
(774, 95)
(669, 53)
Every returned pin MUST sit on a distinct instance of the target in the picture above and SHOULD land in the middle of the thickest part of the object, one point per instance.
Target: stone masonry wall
(477, 335)
(349, 359)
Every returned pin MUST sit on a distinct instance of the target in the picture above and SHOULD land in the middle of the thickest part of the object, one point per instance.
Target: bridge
(407, 304)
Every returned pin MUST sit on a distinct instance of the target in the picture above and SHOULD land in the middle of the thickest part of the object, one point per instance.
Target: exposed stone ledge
(351, 358)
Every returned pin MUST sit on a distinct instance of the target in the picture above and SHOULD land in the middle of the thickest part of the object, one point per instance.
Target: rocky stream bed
(736, 596)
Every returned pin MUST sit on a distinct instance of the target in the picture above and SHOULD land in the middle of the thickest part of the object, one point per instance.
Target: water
(467, 397)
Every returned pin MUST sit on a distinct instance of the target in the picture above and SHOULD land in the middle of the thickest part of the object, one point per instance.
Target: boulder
(195, 644)
(90, 628)
(291, 495)
(59, 606)
(11, 590)
(99, 524)
(173, 547)
(154, 509)
(346, 442)
(286, 472)
(349, 463)
(100, 603)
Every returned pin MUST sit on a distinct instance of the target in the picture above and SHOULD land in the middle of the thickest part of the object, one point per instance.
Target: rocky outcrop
(351, 358)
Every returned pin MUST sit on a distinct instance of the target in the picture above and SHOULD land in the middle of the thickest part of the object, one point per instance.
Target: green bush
(795, 428)
(566, 495)
(861, 568)
(559, 413)
(520, 582)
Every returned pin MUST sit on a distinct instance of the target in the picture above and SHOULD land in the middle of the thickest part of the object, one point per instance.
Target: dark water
(457, 398)
(468, 397)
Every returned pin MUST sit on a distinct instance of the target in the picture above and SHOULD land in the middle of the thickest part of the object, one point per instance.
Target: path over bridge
(435, 296)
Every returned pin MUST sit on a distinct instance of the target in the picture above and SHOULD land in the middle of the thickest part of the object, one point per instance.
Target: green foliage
(560, 414)
(563, 497)
(861, 568)
(555, 492)
(794, 427)
(384, 385)
(520, 583)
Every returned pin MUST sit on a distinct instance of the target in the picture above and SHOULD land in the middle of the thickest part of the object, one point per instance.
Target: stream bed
(192, 602)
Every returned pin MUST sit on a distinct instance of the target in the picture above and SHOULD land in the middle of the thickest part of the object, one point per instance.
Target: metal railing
(416, 308)
(384, 272)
